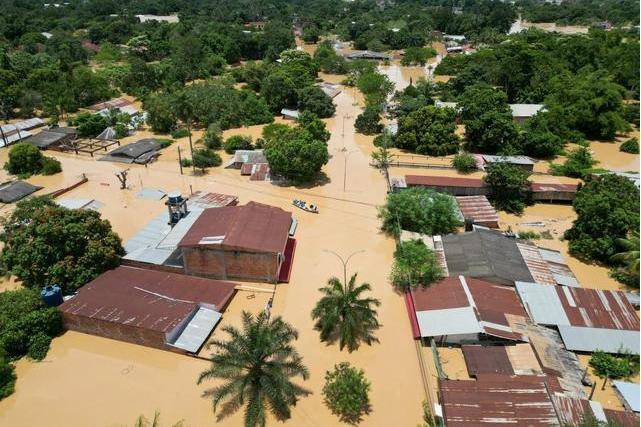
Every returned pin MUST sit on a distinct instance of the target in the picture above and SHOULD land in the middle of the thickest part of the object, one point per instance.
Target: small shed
(479, 210)
(53, 139)
(142, 152)
(522, 112)
(13, 191)
(290, 114)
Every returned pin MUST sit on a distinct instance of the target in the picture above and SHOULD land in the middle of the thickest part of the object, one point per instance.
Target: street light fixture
(343, 261)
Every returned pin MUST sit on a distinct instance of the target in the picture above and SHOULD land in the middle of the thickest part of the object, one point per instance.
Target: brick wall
(225, 265)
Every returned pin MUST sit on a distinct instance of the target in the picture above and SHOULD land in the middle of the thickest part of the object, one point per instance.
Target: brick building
(249, 242)
(147, 307)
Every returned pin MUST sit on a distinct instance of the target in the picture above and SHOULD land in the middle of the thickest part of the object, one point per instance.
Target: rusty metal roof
(539, 187)
(443, 181)
(205, 199)
(146, 299)
(496, 400)
(112, 103)
(254, 227)
(487, 360)
(622, 418)
(479, 209)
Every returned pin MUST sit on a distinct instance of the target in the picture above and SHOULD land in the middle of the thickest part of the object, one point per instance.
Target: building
(368, 54)
(454, 185)
(156, 245)
(491, 255)
(553, 192)
(485, 160)
(458, 309)
(16, 190)
(141, 152)
(587, 319)
(152, 308)
(479, 210)
(329, 89)
(242, 157)
(454, 38)
(249, 242)
(15, 132)
(53, 139)
(112, 103)
(522, 112)
(172, 19)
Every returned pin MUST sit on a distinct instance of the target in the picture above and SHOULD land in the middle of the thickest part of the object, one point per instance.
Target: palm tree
(256, 366)
(341, 313)
(144, 422)
(382, 159)
(630, 254)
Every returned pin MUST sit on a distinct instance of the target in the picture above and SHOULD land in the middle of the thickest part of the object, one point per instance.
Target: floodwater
(608, 397)
(93, 376)
(520, 25)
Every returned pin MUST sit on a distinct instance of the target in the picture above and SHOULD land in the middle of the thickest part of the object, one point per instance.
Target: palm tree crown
(630, 254)
(256, 366)
(342, 314)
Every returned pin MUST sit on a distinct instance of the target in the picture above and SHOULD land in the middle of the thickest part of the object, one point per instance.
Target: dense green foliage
(205, 158)
(237, 142)
(255, 368)
(369, 122)
(508, 186)
(45, 244)
(578, 163)
(417, 55)
(343, 314)
(297, 154)
(312, 99)
(607, 209)
(26, 159)
(626, 260)
(429, 130)
(464, 162)
(213, 138)
(630, 146)
(7, 378)
(614, 367)
(586, 12)
(346, 392)
(421, 210)
(414, 265)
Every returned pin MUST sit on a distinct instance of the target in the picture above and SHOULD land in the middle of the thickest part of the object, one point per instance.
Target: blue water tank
(52, 295)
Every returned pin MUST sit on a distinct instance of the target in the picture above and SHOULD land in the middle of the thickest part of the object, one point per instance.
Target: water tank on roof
(174, 198)
(52, 295)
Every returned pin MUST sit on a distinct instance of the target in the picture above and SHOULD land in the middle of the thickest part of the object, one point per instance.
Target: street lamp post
(346, 155)
(344, 262)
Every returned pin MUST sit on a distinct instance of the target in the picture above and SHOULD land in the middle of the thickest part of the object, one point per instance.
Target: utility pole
(344, 262)
(180, 161)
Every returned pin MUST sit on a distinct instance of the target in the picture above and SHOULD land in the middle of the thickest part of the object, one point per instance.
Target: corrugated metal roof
(630, 394)
(479, 209)
(195, 333)
(442, 181)
(537, 266)
(542, 303)
(487, 360)
(254, 226)
(525, 110)
(89, 204)
(16, 190)
(552, 187)
(497, 400)
(112, 103)
(622, 418)
(452, 321)
(587, 339)
(151, 194)
(146, 299)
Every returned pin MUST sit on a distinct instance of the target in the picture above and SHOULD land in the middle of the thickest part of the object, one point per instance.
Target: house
(249, 242)
(587, 319)
(142, 152)
(112, 103)
(290, 114)
(152, 308)
(491, 255)
(172, 19)
(156, 245)
(53, 139)
(368, 54)
(455, 49)
(454, 37)
(553, 192)
(16, 190)
(329, 89)
(15, 132)
(242, 157)
(454, 185)
(460, 309)
(485, 160)
(522, 112)
(479, 210)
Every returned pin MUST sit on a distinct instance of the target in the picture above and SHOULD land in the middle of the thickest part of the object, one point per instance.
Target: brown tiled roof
(443, 181)
(148, 299)
(253, 227)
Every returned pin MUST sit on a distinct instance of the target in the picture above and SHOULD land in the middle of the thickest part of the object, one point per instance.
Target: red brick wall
(225, 265)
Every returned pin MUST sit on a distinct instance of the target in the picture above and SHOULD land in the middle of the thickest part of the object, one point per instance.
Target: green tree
(630, 146)
(429, 130)
(279, 91)
(479, 99)
(608, 366)
(343, 314)
(205, 158)
(493, 132)
(578, 163)
(213, 137)
(508, 186)
(346, 392)
(160, 113)
(237, 142)
(420, 210)
(256, 366)
(45, 244)
(464, 162)
(312, 99)
(7, 378)
(607, 209)
(296, 156)
(90, 125)
(414, 265)
(541, 138)
(24, 160)
(376, 87)
(628, 258)
(382, 158)
(417, 55)
(369, 121)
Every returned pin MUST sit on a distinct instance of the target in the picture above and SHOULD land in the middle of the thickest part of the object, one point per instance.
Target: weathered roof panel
(588, 339)
(630, 394)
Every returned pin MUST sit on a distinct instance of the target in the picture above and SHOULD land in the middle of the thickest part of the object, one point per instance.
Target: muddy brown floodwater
(87, 380)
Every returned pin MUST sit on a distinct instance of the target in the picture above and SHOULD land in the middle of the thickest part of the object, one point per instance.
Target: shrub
(346, 392)
(237, 142)
(414, 265)
(205, 158)
(24, 160)
(214, 137)
(90, 125)
(578, 163)
(610, 366)
(165, 142)
(38, 346)
(7, 378)
(420, 210)
(369, 122)
(464, 162)
(179, 133)
(509, 187)
(630, 146)
(186, 163)
(121, 130)
(384, 140)
(529, 235)
(314, 100)
(50, 166)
